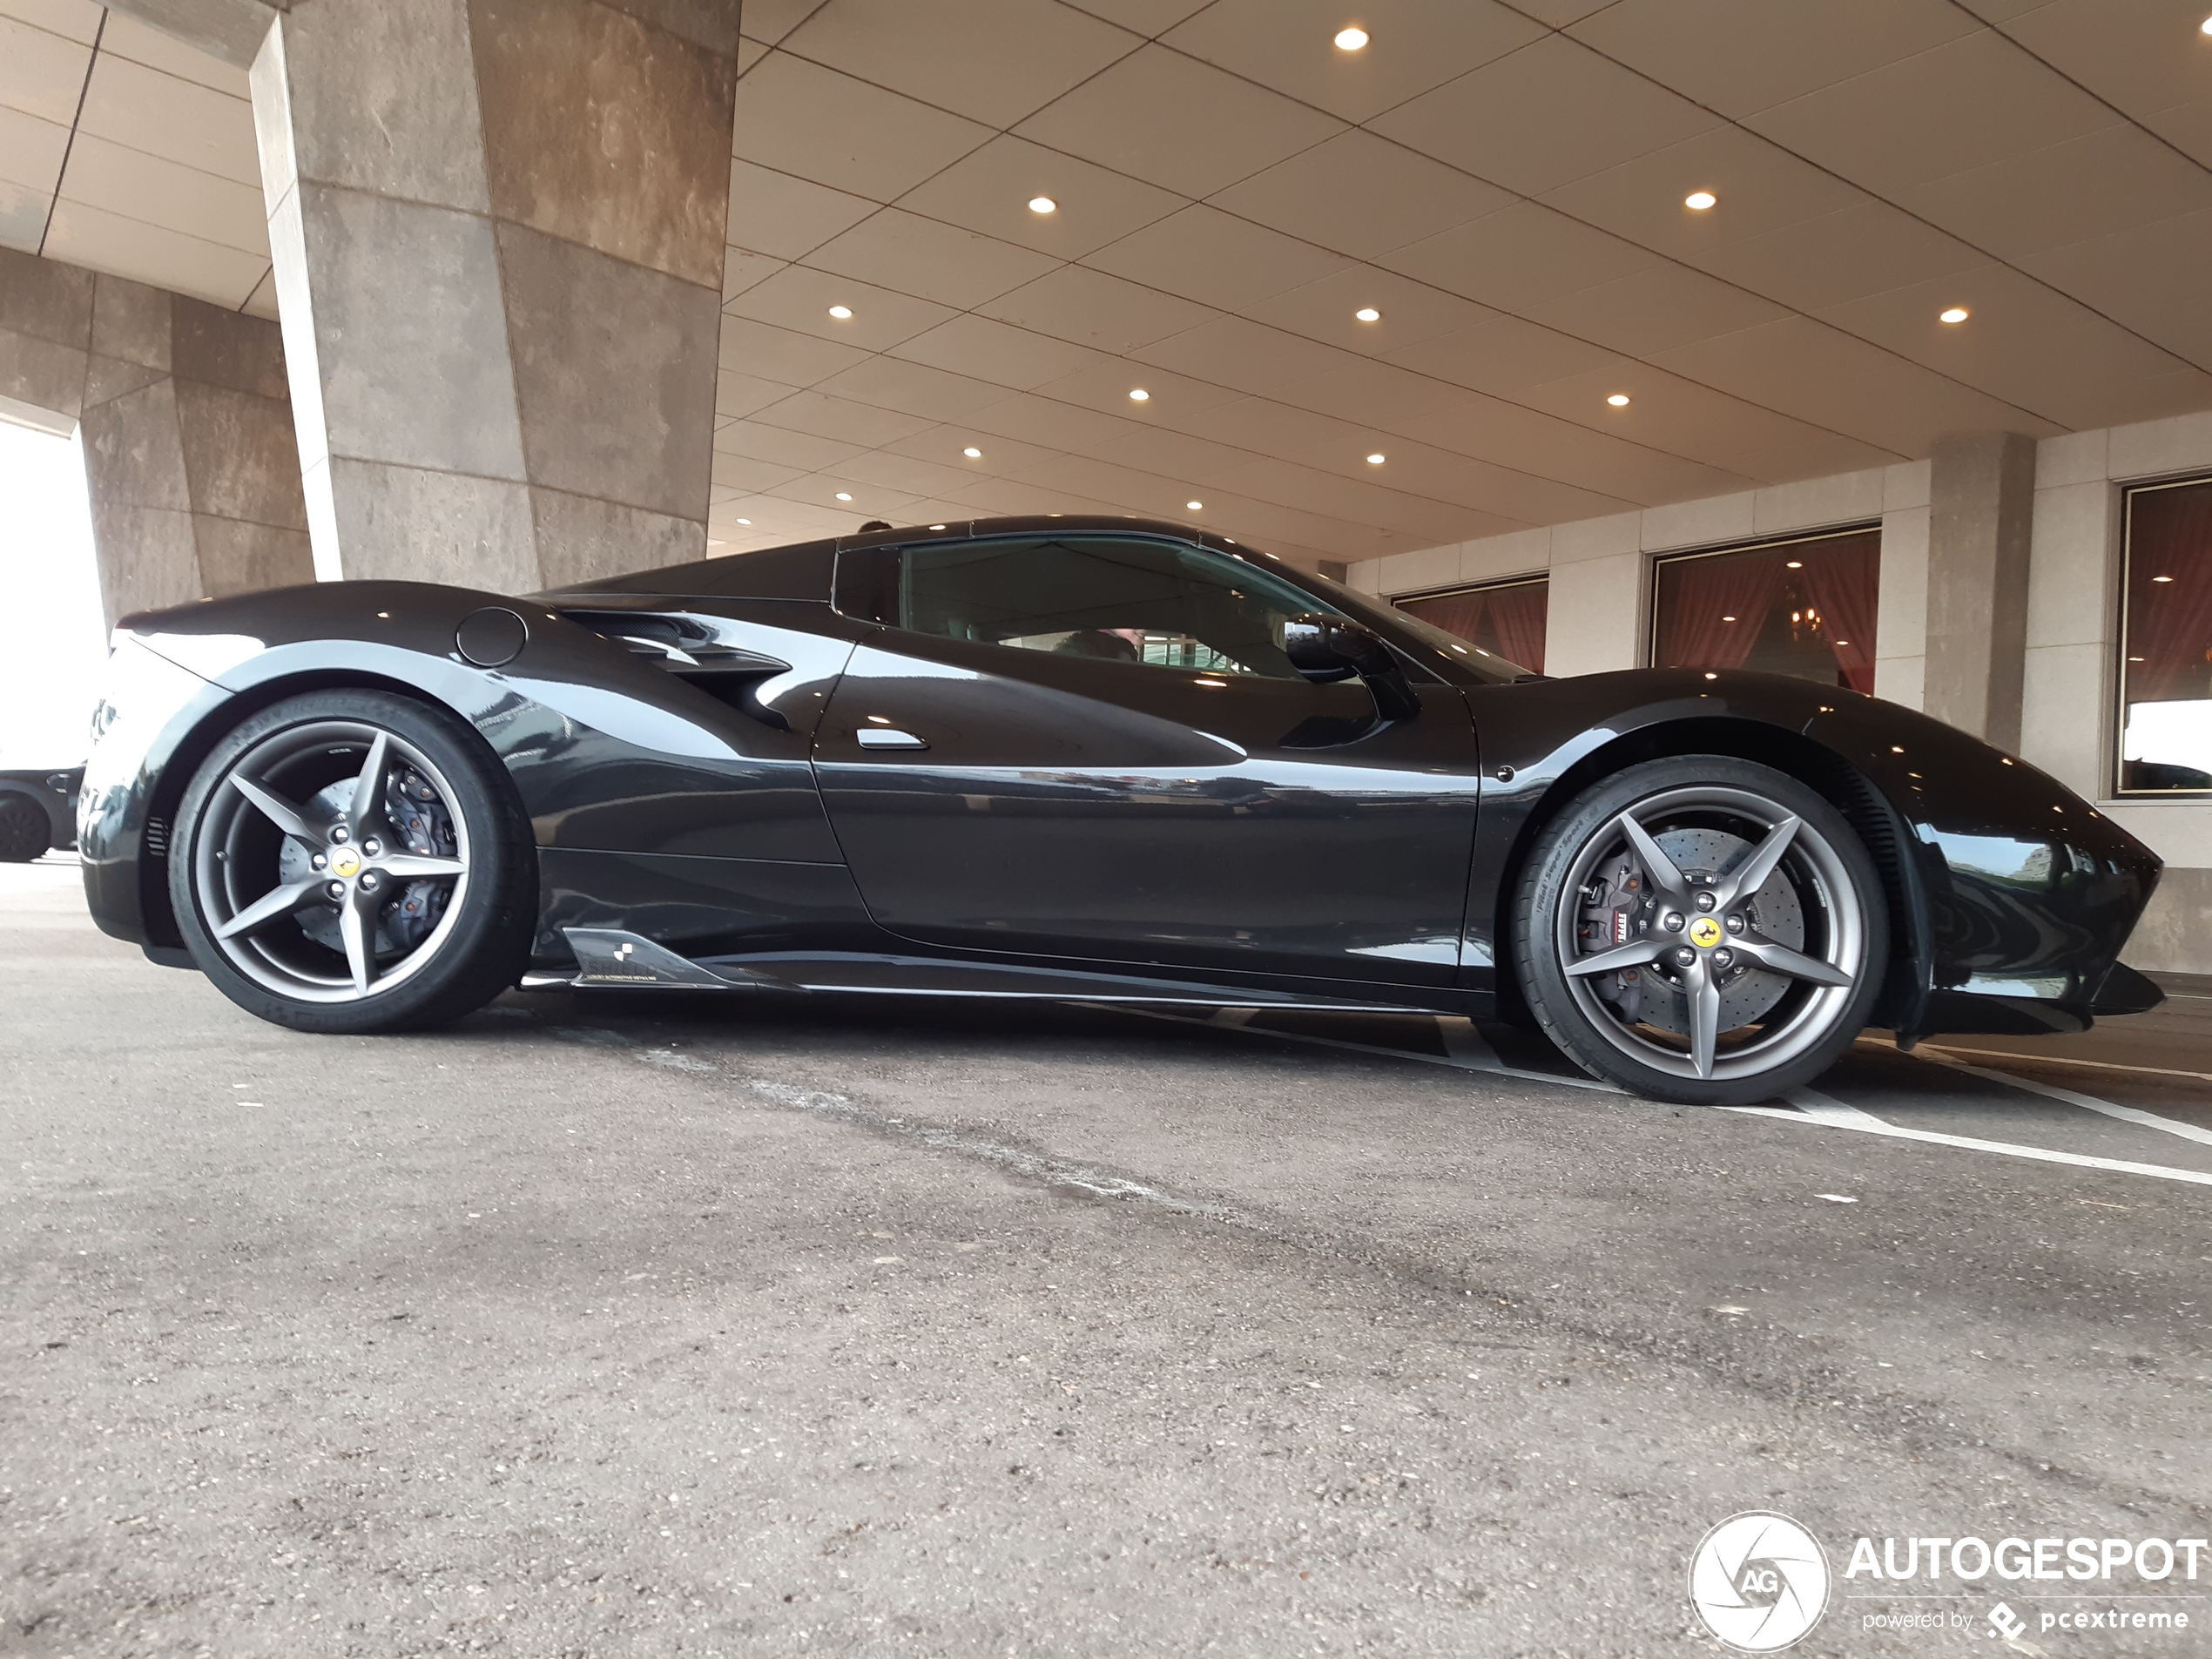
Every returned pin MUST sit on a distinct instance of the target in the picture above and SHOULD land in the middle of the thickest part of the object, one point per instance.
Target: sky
(53, 641)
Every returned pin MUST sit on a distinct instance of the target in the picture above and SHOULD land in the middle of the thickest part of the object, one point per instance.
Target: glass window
(1504, 619)
(1106, 597)
(2166, 642)
(1805, 608)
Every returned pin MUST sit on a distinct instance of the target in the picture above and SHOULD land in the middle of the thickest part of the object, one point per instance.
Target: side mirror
(1325, 648)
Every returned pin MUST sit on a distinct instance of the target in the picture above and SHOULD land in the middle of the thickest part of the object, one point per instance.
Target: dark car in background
(38, 813)
(1073, 757)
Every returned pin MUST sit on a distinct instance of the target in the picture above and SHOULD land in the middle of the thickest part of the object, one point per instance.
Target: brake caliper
(1614, 910)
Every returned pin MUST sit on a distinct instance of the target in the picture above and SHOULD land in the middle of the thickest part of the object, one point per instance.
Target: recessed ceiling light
(1195, 506)
(973, 453)
(1619, 399)
(840, 312)
(714, 543)
(1957, 313)
(936, 526)
(1698, 200)
(1368, 314)
(2205, 28)
(1351, 39)
(1376, 459)
(1139, 394)
(1797, 564)
(2161, 578)
(1728, 619)
(841, 496)
(744, 521)
(1043, 205)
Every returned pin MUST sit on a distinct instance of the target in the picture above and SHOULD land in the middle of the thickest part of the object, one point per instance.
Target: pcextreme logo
(1759, 1581)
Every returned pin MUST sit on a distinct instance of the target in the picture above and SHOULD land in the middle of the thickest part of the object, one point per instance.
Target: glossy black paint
(684, 740)
(54, 792)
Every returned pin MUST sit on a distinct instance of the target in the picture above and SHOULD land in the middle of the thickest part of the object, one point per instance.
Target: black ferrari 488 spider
(1086, 759)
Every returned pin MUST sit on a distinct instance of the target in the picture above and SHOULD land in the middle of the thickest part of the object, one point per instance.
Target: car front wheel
(1701, 929)
(355, 861)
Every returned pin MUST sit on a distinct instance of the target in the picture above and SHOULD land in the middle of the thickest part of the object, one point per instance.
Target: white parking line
(2046, 1060)
(1822, 1111)
(2087, 1102)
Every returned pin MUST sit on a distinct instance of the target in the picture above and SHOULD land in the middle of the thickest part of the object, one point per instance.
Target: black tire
(352, 861)
(26, 832)
(1710, 998)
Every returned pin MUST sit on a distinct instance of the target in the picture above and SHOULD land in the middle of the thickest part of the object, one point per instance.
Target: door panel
(1076, 806)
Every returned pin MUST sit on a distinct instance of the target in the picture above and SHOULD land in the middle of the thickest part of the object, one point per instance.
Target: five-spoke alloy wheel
(355, 861)
(1701, 929)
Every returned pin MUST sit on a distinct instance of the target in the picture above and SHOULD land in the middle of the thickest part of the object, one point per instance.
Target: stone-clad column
(189, 456)
(1980, 519)
(498, 228)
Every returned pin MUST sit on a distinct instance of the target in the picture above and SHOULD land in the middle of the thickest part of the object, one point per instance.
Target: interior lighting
(2205, 28)
(1350, 39)
(1698, 200)
(1376, 459)
(1728, 619)
(1043, 205)
(1712, 677)
(2161, 578)
(936, 526)
(1619, 399)
(1195, 506)
(1368, 314)
(842, 495)
(840, 312)
(744, 521)
(1956, 313)
(973, 453)
(1139, 394)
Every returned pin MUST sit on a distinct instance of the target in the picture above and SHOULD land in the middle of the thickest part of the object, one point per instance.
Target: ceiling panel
(741, 270)
(1146, 17)
(1245, 356)
(893, 470)
(1104, 383)
(780, 355)
(990, 192)
(41, 73)
(944, 445)
(127, 248)
(2111, 180)
(1328, 311)
(1517, 258)
(927, 48)
(1362, 195)
(1370, 393)
(800, 298)
(1221, 261)
(993, 351)
(1616, 468)
(736, 396)
(1176, 123)
(841, 418)
(1838, 257)
(789, 217)
(1762, 188)
(1548, 114)
(1047, 423)
(769, 21)
(800, 118)
(1098, 310)
(1502, 356)
(1739, 56)
(756, 441)
(1412, 46)
(126, 36)
(2149, 279)
(2146, 58)
(1963, 104)
(741, 473)
(138, 186)
(914, 388)
(31, 149)
(1654, 309)
(1822, 375)
(181, 121)
(952, 266)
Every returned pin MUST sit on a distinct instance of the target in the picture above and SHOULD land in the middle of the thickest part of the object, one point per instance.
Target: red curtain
(2170, 623)
(1701, 593)
(1843, 579)
(1518, 614)
(1514, 616)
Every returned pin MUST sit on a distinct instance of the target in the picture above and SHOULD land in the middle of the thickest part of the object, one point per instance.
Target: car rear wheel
(24, 833)
(355, 861)
(1701, 929)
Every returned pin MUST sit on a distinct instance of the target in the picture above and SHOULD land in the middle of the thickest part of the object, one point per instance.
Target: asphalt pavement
(613, 1327)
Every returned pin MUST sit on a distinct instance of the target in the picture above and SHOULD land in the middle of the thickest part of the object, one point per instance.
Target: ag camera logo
(1759, 1581)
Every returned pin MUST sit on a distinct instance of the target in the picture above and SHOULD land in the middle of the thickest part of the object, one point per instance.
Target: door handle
(887, 737)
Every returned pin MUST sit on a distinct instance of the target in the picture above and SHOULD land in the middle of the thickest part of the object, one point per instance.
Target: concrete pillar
(1980, 523)
(190, 459)
(498, 231)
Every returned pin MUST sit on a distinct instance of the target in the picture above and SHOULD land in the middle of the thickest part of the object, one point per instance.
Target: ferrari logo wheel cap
(344, 863)
(1704, 932)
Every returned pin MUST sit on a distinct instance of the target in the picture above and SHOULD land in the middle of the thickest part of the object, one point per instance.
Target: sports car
(1083, 758)
(37, 811)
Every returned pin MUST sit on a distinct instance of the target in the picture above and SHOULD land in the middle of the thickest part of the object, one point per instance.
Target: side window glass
(1107, 598)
